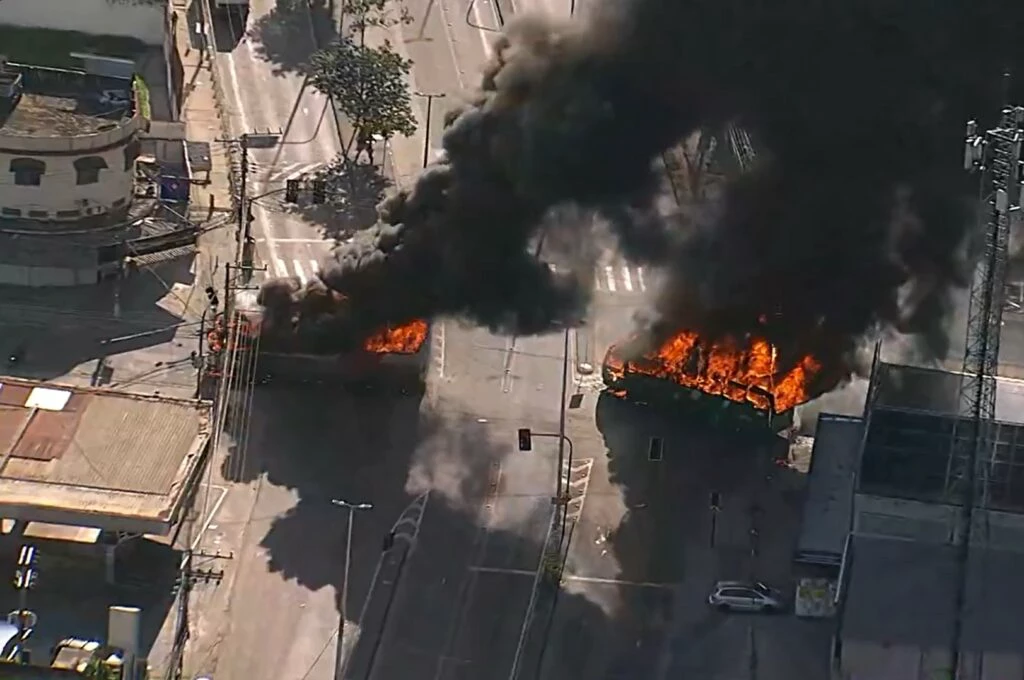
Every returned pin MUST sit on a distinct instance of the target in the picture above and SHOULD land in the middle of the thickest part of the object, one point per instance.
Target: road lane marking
(463, 598)
(441, 349)
(240, 106)
(609, 273)
(280, 267)
(510, 355)
(484, 40)
(627, 281)
(211, 514)
(299, 271)
(640, 278)
(314, 267)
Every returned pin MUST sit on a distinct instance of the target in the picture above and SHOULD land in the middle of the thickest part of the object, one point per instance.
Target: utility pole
(996, 155)
(339, 663)
(245, 246)
(430, 97)
(559, 493)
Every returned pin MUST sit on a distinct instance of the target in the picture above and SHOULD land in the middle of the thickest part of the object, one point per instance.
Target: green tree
(377, 13)
(368, 85)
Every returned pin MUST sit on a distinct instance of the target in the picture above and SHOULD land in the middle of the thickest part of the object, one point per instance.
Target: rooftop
(908, 444)
(96, 457)
(62, 103)
(829, 502)
(901, 592)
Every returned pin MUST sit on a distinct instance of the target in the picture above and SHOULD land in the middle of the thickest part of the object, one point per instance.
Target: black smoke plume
(854, 219)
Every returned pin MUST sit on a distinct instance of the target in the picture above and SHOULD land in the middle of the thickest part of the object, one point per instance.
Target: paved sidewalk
(204, 122)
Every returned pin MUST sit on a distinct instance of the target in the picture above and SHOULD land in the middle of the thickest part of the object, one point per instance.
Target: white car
(743, 596)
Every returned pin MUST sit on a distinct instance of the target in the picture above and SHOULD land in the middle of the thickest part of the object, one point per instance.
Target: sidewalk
(204, 122)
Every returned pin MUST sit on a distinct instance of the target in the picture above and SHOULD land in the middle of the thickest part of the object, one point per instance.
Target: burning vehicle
(729, 384)
(285, 352)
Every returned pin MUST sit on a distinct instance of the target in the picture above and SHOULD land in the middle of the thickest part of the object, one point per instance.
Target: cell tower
(996, 156)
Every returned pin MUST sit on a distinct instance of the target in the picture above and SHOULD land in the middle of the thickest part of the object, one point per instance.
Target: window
(38, 214)
(68, 214)
(88, 169)
(28, 172)
(10, 212)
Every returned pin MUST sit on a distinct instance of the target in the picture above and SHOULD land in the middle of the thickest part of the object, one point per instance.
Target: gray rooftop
(63, 103)
(827, 510)
(936, 391)
(908, 445)
(901, 592)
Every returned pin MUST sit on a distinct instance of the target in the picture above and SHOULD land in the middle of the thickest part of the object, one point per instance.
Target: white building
(68, 143)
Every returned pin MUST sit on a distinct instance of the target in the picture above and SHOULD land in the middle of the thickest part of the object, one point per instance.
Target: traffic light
(319, 191)
(291, 191)
(525, 439)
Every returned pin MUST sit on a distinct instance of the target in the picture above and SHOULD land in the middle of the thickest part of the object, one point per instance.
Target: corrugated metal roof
(100, 439)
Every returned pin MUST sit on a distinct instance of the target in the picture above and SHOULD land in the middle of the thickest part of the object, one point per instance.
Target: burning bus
(396, 354)
(725, 383)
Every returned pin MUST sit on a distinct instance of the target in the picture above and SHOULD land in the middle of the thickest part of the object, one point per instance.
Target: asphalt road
(462, 597)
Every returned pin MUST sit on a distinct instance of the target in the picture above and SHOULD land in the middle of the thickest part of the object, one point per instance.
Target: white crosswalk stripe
(609, 277)
(280, 268)
(301, 260)
(288, 171)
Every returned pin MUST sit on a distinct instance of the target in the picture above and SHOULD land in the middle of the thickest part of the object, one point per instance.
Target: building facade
(68, 144)
(902, 568)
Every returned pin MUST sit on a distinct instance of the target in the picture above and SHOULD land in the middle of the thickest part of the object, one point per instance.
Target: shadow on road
(55, 331)
(353, 192)
(386, 449)
(661, 534)
(282, 36)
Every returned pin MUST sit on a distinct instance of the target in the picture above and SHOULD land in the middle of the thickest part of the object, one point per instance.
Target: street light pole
(561, 424)
(430, 96)
(351, 507)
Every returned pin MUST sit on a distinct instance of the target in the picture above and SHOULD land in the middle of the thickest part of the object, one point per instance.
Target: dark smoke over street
(853, 221)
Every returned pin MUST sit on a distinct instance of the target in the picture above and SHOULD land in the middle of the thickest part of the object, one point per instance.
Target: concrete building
(68, 143)
(899, 567)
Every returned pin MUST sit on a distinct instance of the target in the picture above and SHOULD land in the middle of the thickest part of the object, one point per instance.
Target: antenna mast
(996, 156)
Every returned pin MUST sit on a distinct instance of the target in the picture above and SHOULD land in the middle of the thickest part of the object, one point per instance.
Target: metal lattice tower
(996, 155)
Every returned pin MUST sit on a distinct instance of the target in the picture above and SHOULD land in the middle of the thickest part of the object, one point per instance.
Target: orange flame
(406, 339)
(739, 374)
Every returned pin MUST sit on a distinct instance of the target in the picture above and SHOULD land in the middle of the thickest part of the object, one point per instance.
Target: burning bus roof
(405, 338)
(747, 373)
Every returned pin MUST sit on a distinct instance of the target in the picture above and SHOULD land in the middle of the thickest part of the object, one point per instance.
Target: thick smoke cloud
(854, 219)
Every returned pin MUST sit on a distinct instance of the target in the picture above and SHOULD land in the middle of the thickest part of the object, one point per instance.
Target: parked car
(744, 596)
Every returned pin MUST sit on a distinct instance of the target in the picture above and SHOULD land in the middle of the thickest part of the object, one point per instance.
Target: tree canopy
(381, 13)
(367, 84)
